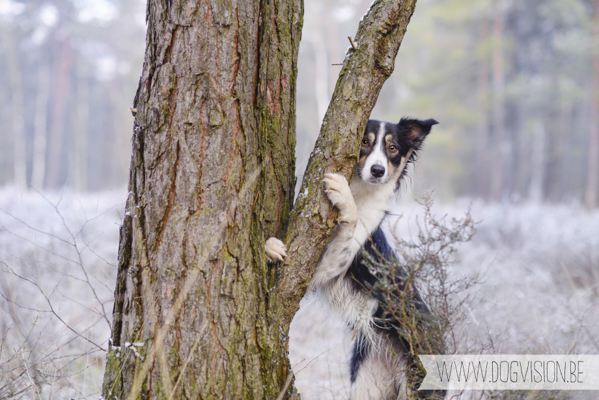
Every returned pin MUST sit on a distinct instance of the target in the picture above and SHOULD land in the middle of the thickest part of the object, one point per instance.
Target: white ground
(539, 264)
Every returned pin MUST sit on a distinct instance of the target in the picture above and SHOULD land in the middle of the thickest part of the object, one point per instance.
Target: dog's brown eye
(392, 149)
(365, 142)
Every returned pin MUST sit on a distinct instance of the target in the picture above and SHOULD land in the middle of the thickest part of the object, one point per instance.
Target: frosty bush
(57, 276)
(421, 305)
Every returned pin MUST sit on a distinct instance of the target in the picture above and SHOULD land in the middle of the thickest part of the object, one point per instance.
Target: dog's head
(386, 144)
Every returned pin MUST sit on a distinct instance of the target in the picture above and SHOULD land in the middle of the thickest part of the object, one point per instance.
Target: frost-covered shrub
(57, 273)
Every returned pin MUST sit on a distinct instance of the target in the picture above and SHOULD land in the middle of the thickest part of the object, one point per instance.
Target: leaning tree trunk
(198, 311)
(368, 64)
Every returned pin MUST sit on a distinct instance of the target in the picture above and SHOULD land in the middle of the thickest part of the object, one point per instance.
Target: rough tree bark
(212, 159)
(199, 313)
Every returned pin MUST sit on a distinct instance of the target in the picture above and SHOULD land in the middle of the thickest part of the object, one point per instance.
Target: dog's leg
(339, 193)
(373, 379)
(329, 279)
(275, 250)
(342, 248)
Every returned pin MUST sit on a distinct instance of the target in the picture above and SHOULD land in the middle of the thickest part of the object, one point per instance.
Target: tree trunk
(198, 311)
(537, 169)
(40, 124)
(116, 170)
(482, 144)
(61, 97)
(18, 108)
(500, 145)
(212, 175)
(78, 147)
(592, 189)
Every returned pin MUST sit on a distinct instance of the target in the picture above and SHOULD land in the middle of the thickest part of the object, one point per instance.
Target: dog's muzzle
(377, 170)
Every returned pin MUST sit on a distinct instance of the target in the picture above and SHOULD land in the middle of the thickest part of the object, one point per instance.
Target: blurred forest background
(69, 73)
(513, 83)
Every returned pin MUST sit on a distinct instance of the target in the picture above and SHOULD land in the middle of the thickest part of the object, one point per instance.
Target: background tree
(592, 189)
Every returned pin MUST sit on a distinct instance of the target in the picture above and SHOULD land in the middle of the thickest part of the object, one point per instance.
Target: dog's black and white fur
(377, 363)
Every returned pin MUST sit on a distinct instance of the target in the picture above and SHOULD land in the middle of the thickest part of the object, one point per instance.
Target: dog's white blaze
(377, 156)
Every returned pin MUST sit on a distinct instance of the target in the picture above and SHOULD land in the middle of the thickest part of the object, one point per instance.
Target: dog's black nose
(377, 170)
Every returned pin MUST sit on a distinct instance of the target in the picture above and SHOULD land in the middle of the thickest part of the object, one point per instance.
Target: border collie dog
(378, 361)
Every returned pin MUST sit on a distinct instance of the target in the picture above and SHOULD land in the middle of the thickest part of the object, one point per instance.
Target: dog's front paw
(275, 250)
(339, 193)
(337, 190)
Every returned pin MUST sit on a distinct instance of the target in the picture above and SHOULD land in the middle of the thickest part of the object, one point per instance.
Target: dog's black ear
(417, 130)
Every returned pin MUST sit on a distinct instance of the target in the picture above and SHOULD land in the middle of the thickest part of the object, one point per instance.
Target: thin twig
(285, 386)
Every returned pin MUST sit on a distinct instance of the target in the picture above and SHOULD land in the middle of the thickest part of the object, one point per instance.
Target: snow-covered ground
(538, 266)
